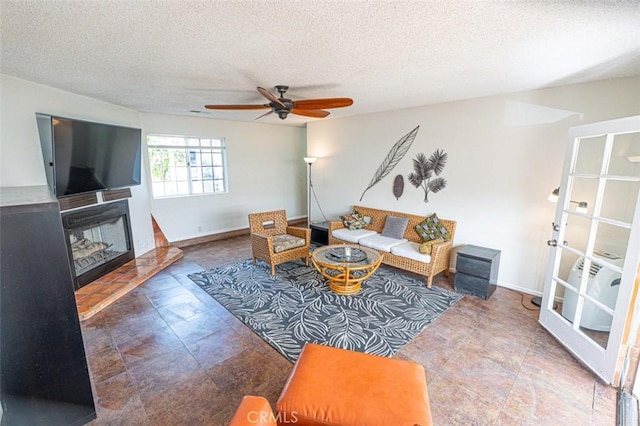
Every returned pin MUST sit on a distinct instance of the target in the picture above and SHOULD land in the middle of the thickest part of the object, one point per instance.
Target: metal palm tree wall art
(426, 172)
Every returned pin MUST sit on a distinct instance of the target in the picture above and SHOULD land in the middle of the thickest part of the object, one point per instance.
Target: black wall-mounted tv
(90, 157)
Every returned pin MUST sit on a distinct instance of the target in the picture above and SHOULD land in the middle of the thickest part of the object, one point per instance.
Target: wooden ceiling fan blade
(317, 113)
(267, 94)
(323, 103)
(237, 107)
(264, 115)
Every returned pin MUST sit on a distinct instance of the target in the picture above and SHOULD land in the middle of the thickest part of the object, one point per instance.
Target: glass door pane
(590, 155)
(577, 233)
(619, 200)
(625, 155)
(583, 194)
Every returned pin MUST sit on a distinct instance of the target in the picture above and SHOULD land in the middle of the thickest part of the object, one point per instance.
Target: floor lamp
(309, 161)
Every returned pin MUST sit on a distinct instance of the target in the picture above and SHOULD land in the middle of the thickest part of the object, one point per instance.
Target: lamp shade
(310, 160)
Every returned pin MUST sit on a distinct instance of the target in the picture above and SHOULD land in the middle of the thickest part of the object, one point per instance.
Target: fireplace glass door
(99, 240)
(95, 245)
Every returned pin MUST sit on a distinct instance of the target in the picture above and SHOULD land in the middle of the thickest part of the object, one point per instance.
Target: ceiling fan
(283, 106)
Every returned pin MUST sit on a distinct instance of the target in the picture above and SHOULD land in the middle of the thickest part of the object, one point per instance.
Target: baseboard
(227, 234)
(209, 238)
(511, 286)
(526, 290)
(519, 289)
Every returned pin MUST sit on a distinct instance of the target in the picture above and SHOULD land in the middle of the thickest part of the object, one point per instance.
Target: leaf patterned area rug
(297, 306)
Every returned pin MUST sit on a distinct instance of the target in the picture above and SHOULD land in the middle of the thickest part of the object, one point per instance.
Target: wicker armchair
(271, 238)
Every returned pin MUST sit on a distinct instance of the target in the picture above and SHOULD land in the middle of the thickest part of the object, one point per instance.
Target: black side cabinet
(320, 233)
(44, 378)
(477, 271)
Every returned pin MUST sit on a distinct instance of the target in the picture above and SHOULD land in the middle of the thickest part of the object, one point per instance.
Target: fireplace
(98, 240)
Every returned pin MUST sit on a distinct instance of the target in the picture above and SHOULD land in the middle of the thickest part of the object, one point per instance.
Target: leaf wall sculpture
(424, 170)
(398, 150)
(398, 186)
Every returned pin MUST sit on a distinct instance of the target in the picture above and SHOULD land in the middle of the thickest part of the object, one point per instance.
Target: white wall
(20, 153)
(505, 155)
(265, 172)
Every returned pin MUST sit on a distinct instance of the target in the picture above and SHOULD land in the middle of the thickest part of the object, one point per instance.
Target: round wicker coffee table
(345, 266)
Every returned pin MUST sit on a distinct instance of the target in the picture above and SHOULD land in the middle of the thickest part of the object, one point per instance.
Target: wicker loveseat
(428, 266)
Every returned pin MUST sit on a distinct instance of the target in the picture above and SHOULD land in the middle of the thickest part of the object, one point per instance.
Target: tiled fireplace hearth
(100, 293)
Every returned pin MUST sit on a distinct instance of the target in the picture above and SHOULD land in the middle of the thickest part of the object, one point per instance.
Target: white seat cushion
(410, 251)
(350, 236)
(378, 242)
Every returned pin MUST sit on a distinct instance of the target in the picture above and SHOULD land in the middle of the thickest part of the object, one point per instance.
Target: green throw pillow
(432, 228)
(353, 221)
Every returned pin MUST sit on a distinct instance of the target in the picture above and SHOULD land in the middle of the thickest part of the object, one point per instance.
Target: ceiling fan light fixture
(282, 113)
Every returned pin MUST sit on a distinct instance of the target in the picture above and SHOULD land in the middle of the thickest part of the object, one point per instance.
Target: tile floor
(168, 354)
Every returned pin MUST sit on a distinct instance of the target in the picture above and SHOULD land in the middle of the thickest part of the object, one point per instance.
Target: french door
(589, 298)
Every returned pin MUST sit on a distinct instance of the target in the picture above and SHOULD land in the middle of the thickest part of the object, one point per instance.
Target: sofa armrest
(441, 253)
(253, 411)
(336, 224)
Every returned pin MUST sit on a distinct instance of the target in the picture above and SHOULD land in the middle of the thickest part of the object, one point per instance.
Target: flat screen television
(89, 157)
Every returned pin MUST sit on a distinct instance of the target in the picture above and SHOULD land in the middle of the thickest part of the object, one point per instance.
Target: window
(183, 165)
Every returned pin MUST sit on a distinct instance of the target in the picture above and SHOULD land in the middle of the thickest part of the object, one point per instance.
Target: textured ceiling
(177, 56)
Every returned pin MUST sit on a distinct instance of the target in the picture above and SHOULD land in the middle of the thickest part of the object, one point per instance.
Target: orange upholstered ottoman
(330, 386)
